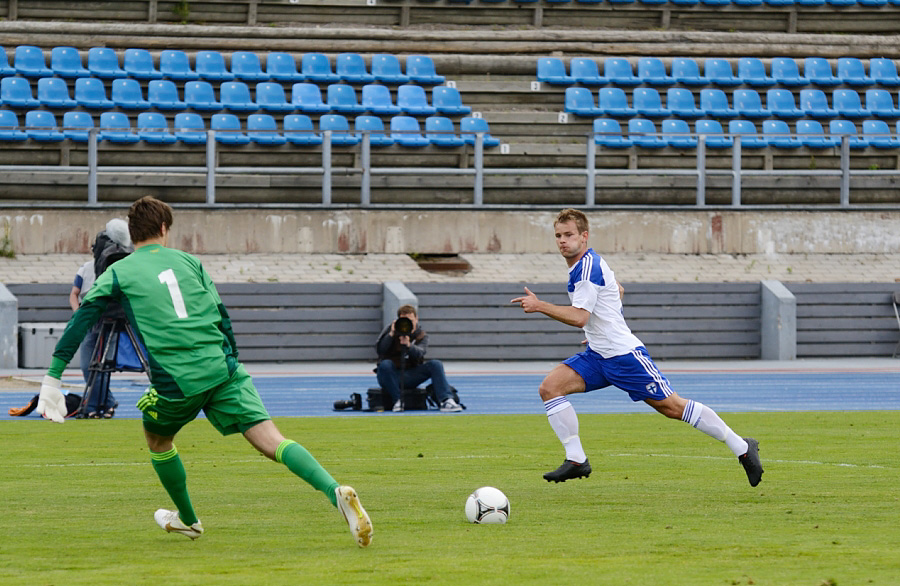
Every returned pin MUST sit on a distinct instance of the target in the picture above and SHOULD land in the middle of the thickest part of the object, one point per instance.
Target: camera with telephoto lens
(403, 326)
(354, 402)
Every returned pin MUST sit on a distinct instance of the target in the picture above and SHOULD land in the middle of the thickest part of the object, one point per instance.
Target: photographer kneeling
(401, 351)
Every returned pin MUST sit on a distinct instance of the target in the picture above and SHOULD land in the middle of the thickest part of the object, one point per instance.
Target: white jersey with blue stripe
(592, 286)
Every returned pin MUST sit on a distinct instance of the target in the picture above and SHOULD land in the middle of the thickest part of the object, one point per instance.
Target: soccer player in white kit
(614, 356)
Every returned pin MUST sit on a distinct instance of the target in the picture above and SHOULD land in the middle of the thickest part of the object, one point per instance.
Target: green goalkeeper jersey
(176, 312)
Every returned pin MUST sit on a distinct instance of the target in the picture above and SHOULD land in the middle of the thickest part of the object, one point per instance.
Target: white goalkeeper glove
(51, 402)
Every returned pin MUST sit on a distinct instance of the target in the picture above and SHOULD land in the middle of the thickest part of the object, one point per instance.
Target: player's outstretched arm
(567, 314)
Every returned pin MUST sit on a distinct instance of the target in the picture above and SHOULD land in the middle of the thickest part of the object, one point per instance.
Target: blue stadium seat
(53, 92)
(163, 95)
(685, 2)
(138, 64)
(778, 134)
(386, 69)
(841, 3)
(190, 128)
(41, 126)
(245, 66)
(617, 71)
(375, 128)
(298, 129)
(608, 133)
(340, 129)
(747, 2)
(199, 95)
(5, 68)
(552, 70)
(405, 132)
(686, 71)
(642, 132)
(210, 66)
(376, 98)
(613, 102)
(103, 62)
(270, 96)
(652, 71)
(228, 129)
(307, 97)
(881, 104)
(341, 98)
(91, 93)
(235, 96)
(282, 67)
(174, 64)
(412, 100)
(715, 137)
(752, 72)
(647, 102)
(317, 67)
(580, 101)
(439, 131)
(447, 100)
(66, 62)
(786, 72)
(681, 102)
(126, 94)
(818, 71)
(812, 135)
(719, 72)
(748, 104)
(879, 135)
(420, 69)
(872, 3)
(77, 125)
(29, 61)
(852, 71)
(781, 104)
(470, 126)
(809, 2)
(715, 2)
(9, 127)
(779, 2)
(351, 67)
(838, 128)
(677, 134)
(262, 129)
(750, 138)
(848, 104)
(16, 92)
(584, 70)
(884, 71)
(714, 102)
(153, 127)
(815, 104)
(116, 127)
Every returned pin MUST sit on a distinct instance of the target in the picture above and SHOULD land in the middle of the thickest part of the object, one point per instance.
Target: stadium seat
(585, 71)
(747, 3)
(848, 104)
(307, 97)
(41, 126)
(376, 98)
(681, 102)
(778, 134)
(210, 66)
(786, 72)
(552, 70)
(781, 103)
(470, 126)
(77, 125)
(814, 103)
(91, 93)
(16, 92)
(872, 3)
(642, 132)
(317, 67)
(715, 137)
(386, 69)
(5, 68)
(340, 129)
(809, 2)
(580, 101)
(714, 103)
(199, 95)
(29, 61)
(881, 104)
(779, 2)
(652, 71)
(748, 104)
(685, 2)
(9, 127)
(351, 67)
(617, 71)
(341, 98)
(420, 69)
(884, 71)
(282, 67)
(116, 127)
(838, 128)
(66, 62)
(405, 132)
(126, 94)
(439, 131)
(298, 129)
(647, 102)
(751, 71)
(270, 96)
(686, 72)
(746, 129)
(852, 71)
(228, 129)
(53, 92)
(262, 129)
(879, 135)
(612, 102)
(677, 134)
(447, 100)
(189, 128)
(374, 126)
(715, 2)
(235, 96)
(138, 64)
(245, 66)
(412, 100)
(818, 71)
(812, 135)
(608, 133)
(103, 62)
(841, 3)
(153, 127)
(163, 95)
(174, 64)
(719, 72)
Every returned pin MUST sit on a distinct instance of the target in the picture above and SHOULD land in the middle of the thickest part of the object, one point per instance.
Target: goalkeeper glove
(148, 399)
(51, 402)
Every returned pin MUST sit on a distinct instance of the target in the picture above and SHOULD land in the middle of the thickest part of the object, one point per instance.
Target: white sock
(706, 420)
(564, 421)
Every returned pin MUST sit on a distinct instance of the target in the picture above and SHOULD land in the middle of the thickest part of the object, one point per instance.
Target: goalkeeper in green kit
(175, 310)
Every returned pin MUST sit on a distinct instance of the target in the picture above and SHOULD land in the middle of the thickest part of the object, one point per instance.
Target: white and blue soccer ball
(487, 505)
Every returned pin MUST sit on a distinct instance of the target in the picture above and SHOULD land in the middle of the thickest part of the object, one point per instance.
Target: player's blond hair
(573, 215)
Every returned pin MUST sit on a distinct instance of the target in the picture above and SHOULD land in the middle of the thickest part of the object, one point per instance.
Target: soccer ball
(487, 505)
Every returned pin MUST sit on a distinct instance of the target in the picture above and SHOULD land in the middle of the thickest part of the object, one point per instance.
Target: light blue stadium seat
(163, 95)
(5, 68)
(270, 97)
(778, 134)
(307, 97)
(235, 96)
(852, 71)
(210, 66)
(838, 128)
(175, 64)
(317, 67)
(199, 95)
(116, 127)
(752, 71)
(386, 69)
(190, 128)
(748, 104)
(262, 129)
(228, 129)
(715, 137)
(552, 70)
(642, 132)
(881, 104)
(298, 129)
(77, 125)
(714, 103)
(103, 62)
(341, 98)
(29, 61)
(282, 67)
(780, 103)
(612, 101)
(681, 102)
(884, 71)
(405, 132)
(608, 133)
(585, 71)
(412, 100)
(9, 127)
(138, 64)
(91, 93)
(653, 71)
(447, 100)
(41, 126)
(580, 101)
(245, 66)
(746, 129)
(53, 92)
(686, 71)
(812, 135)
(879, 135)
(786, 72)
(617, 71)
(439, 131)
(340, 129)
(647, 102)
(351, 67)
(719, 72)
(848, 104)
(376, 98)
(375, 128)
(818, 71)
(153, 128)
(677, 134)
(126, 94)
(16, 92)
(66, 62)
(470, 126)
(421, 69)
(814, 103)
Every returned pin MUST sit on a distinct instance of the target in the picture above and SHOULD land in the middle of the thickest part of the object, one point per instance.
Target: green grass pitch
(665, 504)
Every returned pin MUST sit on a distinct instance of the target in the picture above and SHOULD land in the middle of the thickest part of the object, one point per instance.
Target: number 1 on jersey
(167, 277)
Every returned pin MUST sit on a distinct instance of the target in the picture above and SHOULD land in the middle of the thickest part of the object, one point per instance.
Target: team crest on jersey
(651, 388)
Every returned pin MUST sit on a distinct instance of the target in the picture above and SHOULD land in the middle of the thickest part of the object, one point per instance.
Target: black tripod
(104, 360)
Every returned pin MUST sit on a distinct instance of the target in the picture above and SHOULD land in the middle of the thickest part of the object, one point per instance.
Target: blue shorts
(634, 373)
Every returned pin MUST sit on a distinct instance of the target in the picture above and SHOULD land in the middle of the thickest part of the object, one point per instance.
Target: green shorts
(232, 407)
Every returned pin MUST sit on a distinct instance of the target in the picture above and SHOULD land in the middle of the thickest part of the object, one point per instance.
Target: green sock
(301, 462)
(171, 473)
